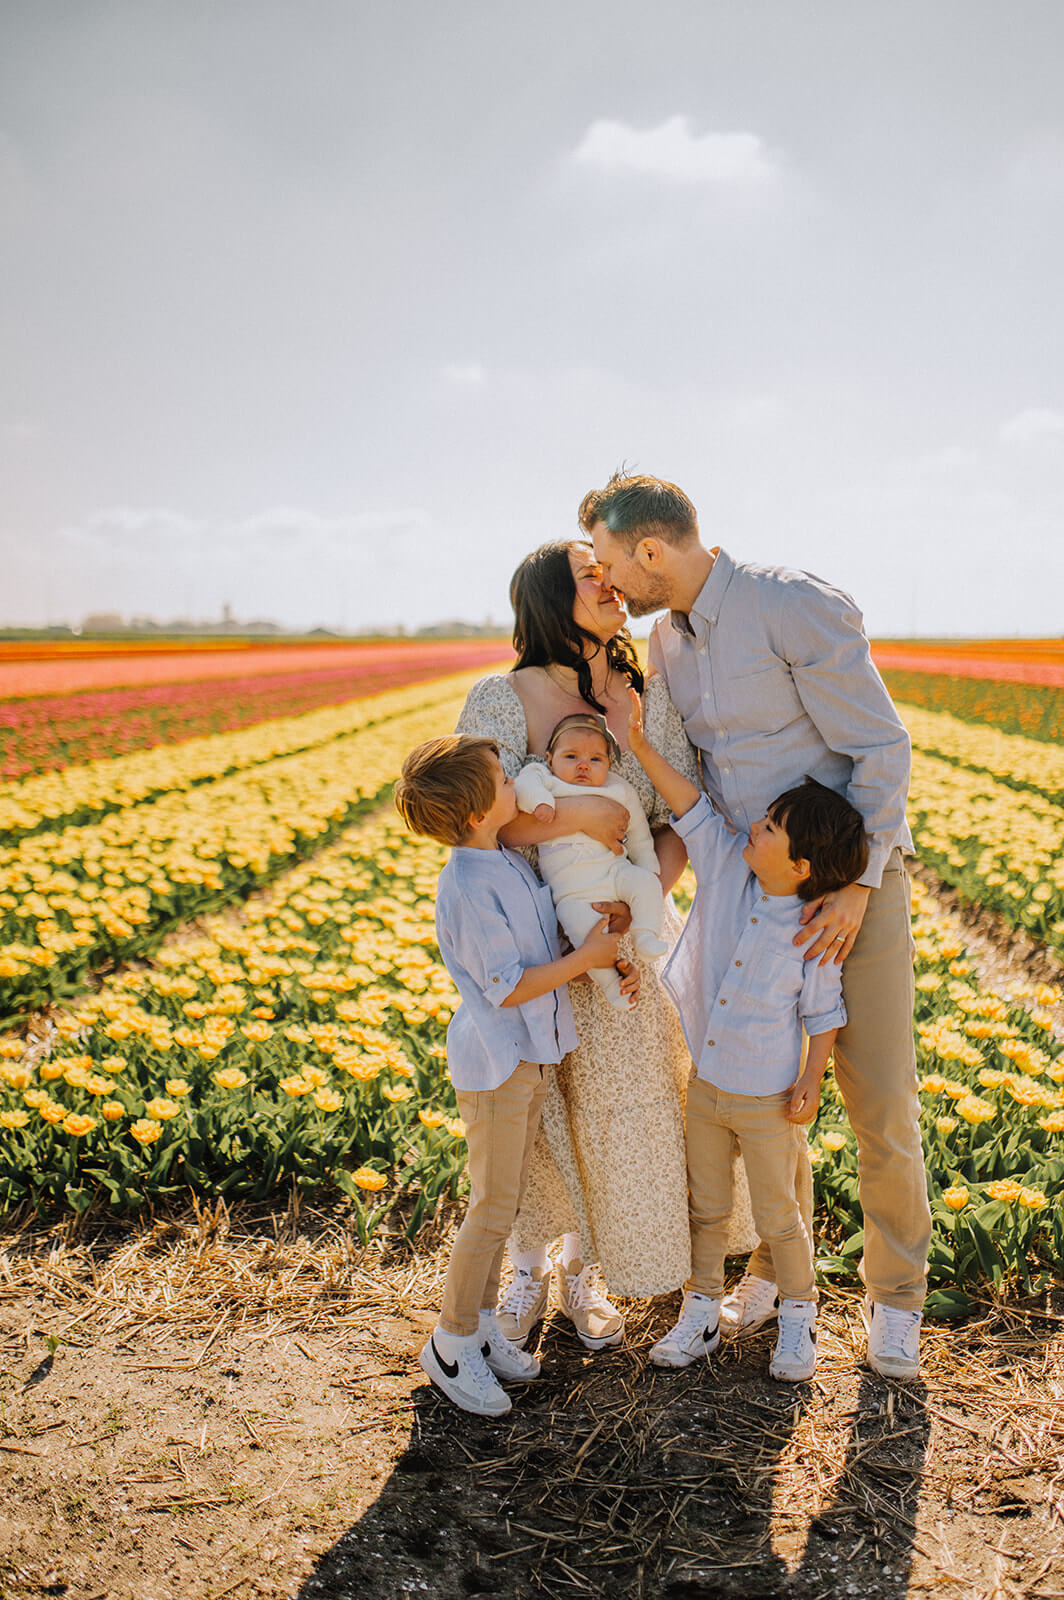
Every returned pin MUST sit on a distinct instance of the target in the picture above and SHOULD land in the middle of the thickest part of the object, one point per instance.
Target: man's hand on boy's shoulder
(833, 923)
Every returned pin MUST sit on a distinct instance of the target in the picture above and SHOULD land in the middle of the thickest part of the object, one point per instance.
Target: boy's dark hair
(542, 594)
(444, 782)
(827, 831)
(634, 506)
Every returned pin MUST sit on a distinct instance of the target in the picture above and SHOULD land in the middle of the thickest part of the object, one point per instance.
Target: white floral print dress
(609, 1159)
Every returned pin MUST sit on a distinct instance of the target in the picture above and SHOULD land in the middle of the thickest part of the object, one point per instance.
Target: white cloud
(1035, 426)
(675, 154)
(468, 373)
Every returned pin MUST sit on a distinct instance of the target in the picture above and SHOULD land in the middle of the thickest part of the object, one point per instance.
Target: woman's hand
(630, 979)
(619, 913)
(599, 817)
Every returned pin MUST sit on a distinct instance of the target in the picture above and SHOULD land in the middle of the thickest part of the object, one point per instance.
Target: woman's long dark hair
(542, 593)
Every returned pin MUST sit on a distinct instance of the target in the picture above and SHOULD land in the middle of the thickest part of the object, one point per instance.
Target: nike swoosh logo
(448, 1368)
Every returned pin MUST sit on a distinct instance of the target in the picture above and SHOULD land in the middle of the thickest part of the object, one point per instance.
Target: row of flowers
(1034, 710)
(1018, 762)
(305, 1043)
(51, 732)
(82, 667)
(302, 1043)
(992, 1117)
(109, 890)
(997, 847)
(86, 793)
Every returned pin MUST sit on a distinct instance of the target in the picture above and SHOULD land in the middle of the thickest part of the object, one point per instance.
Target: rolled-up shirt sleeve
(829, 658)
(821, 1006)
(482, 941)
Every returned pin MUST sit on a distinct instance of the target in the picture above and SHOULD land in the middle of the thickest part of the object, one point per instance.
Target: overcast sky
(331, 310)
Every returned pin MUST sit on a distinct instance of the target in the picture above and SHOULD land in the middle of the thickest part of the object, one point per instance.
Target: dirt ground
(235, 1408)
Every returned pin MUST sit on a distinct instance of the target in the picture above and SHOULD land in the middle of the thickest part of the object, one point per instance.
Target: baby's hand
(804, 1101)
(636, 732)
(543, 812)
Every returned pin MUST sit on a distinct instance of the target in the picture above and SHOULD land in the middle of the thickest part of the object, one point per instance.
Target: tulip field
(218, 971)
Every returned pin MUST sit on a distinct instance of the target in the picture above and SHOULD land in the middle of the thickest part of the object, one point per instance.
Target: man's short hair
(824, 829)
(634, 506)
(444, 782)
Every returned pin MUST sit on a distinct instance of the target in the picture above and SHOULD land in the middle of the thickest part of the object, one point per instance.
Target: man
(771, 671)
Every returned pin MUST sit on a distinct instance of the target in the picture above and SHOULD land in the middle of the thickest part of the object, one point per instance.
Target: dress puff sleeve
(664, 729)
(493, 711)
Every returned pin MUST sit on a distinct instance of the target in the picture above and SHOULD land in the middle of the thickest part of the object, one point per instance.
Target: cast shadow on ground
(610, 1478)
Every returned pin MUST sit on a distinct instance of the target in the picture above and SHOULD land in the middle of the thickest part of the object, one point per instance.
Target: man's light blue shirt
(739, 982)
(774, 680)
(493, 920)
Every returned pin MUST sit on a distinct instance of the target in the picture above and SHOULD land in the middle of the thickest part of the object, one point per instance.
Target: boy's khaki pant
(875, 1068)
(772, 1149)
(500, 1130)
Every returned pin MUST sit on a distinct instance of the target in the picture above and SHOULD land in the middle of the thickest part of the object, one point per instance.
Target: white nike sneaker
(794, 1357)
(696, 1334)
(465, 1378)
(893, 1340)
(753, 1302)
(506, 1360)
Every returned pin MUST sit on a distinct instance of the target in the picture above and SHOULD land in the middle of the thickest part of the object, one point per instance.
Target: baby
(578, 869)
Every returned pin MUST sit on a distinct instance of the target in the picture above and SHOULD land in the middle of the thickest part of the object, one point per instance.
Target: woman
(608, 1171)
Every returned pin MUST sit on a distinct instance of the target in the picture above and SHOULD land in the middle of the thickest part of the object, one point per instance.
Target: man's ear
(650, 552)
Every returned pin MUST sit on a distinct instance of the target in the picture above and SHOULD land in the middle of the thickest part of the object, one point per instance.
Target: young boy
(744, 992)
(580, 755)
(498, 935)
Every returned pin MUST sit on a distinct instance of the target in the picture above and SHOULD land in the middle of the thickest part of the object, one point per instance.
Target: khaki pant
(773, 1149)
(875, 1068)
(500, 1130)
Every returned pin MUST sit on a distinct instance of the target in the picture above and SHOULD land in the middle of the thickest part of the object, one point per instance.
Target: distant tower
(227, 614)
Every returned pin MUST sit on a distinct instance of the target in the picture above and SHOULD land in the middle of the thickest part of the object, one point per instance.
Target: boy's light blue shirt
(740, 985)
(493, 920)
(772, 675)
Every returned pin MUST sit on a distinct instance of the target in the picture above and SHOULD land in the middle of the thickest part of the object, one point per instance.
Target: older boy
(498, 935)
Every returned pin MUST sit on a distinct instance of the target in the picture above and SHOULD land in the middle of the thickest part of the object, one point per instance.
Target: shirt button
(724, 1002)
(738, 963)
(710, 1043)
(494, 978)
(753, 919)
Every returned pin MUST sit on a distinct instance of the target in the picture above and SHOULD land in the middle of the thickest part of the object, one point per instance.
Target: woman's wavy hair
(542, 593)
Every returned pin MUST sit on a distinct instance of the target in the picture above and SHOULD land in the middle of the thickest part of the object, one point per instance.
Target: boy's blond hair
(444, 783)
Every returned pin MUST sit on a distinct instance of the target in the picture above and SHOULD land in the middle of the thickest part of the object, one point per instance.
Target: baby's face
(580, 756)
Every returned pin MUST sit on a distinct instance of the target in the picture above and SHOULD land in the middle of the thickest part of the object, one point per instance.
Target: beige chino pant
(875, 1068)
(773, 1149)
(501, 1128)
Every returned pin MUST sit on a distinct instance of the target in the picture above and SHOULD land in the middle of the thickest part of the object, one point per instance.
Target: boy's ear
(800, 868)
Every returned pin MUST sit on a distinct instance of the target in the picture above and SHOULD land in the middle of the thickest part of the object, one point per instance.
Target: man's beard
(653, 596)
